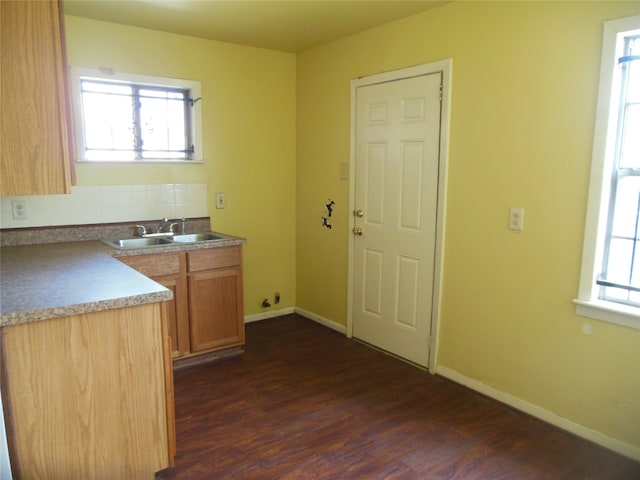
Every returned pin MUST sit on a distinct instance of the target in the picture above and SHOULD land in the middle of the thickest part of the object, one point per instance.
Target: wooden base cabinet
(215, 303)
(207, 312)
(169, 270)
(87, 396)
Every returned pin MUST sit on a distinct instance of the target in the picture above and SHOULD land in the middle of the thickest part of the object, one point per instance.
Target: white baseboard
(601, 439)
(338, 327)
(269, 314)
(256, 317)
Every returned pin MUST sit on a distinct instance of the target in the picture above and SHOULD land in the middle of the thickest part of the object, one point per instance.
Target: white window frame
(78, 73)
(587, 303)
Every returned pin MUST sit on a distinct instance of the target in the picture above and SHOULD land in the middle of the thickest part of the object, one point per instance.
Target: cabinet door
(177, 313)
(36, 143)
(216, 309)
(169, 270)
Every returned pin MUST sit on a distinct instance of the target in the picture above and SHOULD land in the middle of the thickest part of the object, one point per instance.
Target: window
(619, 279)
(610, 280)
(133, 118)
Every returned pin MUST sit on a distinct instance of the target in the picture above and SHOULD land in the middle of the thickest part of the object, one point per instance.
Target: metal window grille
(127, 121)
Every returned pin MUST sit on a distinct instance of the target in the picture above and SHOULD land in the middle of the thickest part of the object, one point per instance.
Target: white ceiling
(286, 25)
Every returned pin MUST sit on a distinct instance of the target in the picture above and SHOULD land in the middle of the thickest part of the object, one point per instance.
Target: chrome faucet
(160, 228)
(172, 226)
(163, 222)
(178, 221)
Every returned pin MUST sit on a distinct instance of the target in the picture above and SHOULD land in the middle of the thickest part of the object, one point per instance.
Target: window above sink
(123, 117)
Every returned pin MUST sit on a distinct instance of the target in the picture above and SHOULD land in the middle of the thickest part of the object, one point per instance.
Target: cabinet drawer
(155, 265)
(208, 259)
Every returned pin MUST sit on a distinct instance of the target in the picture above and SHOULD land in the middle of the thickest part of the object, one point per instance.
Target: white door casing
(398, 179)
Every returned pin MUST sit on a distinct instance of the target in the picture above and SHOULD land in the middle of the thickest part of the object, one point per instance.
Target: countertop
(44, 281)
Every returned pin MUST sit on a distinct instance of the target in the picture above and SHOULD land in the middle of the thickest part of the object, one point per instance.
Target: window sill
(611, 312)
(139, 162)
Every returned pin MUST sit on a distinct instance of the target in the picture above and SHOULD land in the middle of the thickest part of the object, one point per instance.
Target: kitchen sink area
(165, 239)
(167, 232)
(199, 237)
(146, 294)
(136, 242)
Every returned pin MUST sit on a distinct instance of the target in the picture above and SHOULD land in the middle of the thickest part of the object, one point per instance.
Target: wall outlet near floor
(221, 200)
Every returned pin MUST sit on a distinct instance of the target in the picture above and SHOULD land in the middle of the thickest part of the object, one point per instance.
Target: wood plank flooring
(303, 402)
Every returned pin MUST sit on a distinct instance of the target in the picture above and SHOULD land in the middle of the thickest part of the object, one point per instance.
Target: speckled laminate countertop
(39, 282)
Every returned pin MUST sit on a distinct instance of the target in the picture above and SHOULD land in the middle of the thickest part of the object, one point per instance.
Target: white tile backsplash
(108, 204)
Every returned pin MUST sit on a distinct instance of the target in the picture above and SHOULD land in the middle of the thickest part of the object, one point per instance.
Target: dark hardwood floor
(303, 401)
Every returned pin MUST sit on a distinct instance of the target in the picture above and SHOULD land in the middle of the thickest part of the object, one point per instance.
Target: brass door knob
(358, 213)
(357, 231)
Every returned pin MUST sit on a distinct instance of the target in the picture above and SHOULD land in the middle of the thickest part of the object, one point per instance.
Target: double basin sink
(165, 239)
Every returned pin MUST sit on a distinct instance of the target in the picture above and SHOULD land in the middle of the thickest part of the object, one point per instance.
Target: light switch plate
(221, 201)
(344, 171)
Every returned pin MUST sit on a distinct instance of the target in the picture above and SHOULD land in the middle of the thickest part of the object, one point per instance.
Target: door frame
(444, 67)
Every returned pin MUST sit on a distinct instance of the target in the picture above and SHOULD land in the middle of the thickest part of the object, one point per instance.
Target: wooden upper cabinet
(37, 142)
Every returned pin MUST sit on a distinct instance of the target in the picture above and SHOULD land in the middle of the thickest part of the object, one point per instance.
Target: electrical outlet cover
(516, 219)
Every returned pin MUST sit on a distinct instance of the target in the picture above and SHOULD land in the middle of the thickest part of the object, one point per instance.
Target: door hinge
(441, 87)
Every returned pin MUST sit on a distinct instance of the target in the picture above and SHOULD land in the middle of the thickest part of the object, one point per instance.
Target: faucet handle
(142, 230)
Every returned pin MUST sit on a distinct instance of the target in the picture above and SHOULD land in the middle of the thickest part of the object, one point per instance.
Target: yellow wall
(248, 116)
(524, 88)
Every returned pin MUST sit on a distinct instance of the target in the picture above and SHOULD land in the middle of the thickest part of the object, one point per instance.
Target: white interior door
(397, 143)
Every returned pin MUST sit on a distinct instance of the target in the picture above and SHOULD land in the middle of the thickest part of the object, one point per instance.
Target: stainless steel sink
(198, 237)
(153, 240)
(138, 242)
